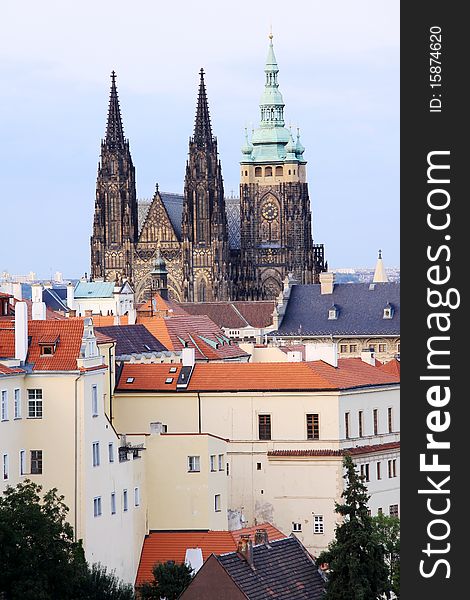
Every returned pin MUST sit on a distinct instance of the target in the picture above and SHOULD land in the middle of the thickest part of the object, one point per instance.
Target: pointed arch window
(201, 291)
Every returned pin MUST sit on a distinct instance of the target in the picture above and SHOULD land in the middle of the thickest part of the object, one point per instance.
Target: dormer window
(388, 311)
(48, 345)
(333, 312)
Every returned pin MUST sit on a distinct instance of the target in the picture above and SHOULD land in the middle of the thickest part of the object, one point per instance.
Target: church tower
(115, 227)
(205, 248)
(275, 215)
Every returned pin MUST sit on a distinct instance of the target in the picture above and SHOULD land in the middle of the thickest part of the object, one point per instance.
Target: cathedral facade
(212, 247)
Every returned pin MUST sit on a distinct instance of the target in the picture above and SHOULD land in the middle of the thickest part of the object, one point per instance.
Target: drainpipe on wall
(199, 411)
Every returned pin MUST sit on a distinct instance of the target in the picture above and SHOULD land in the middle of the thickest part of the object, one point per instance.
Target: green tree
(387, 531)
(170, 579)
(355, 558)
(39, 559)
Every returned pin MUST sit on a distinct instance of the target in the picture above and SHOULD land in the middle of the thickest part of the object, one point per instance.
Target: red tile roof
(107, 320)
(69, 333)
(318, 375)
(161, 546)
(197, 332)
(234, 315)
(358, 450)
(9, 370)
(392, 367)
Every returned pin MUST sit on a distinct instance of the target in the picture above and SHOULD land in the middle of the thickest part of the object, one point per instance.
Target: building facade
(214, 248)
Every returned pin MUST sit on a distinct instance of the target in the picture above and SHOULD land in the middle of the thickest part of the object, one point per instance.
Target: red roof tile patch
(4, 370)
(7, 339)
(161, 546)
(392, 367)
(358, 450)
(234, 315)
(350, 373)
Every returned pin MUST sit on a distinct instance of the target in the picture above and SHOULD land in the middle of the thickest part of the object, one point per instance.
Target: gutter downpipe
(199, 411)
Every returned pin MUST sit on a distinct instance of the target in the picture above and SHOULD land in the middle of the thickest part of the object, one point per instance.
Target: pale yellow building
(288, 426)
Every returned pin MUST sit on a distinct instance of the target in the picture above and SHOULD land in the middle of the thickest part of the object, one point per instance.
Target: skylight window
(147, 347)
(173, 370)
(169, 380)
(130, 380)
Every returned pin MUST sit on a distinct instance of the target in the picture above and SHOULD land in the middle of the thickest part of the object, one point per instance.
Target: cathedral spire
(202, 126)
(114, 128)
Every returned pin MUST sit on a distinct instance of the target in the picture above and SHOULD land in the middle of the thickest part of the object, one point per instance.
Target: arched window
(257, 171)
(268, 172)
(201, 291)
(279, 172)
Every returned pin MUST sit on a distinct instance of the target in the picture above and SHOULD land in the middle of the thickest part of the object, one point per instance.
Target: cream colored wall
(361, 343)
(133, 414)
(179, 499)
(266, 354)
(65, 434)
(298, 173)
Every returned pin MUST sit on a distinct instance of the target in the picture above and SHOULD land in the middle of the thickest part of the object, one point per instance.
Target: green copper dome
(270, 139)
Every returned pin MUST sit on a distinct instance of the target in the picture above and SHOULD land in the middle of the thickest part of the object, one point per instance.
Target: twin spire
(114, 129)
(202, 126)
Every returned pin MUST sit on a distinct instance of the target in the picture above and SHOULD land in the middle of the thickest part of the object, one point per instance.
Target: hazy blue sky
(339, 76)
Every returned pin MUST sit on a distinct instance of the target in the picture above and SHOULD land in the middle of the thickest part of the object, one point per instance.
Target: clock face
(269, 211)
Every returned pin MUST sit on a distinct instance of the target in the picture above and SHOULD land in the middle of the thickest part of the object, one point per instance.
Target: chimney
(294, 356)
(70, 295)
(327, 283)
(131, 316)
(326, 352)
(261, 537)
(21, 331)
(36, 292)
(156, 428)
(88, 312)
(188, 357)
(245, 548)
(368, 356)
(117, 320)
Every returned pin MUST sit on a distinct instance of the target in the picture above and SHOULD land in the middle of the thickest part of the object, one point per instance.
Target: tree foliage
(39, 558)
(355, 558)
(170, 579)
(387, 531)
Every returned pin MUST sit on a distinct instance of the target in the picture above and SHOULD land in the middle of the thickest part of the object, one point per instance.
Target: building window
(22, 462)
(313, 427)
(258, 466)
(194, 464)
(96, 454)
(343, 348)
(296, 526)
(5, 466)
(125, 501)
(318, 525)
(380, 511)
(382, 347)
(361, 423)
(398, 348)
(94, 401)
(376, 421)
(388, 312)
(217, 503)
(17, 407)
(113, 503)
(332, 313)
(136, 496)
(4, 409)
(36, 462)
(279, 172)
(372, 347)
(35, 404)
(346, 425)
(228, 469)
(257, 171)
(213, 458)
(268, 172)
(221, 462)
(390, 420)
(392, 467)
(352, 347)
(264, 427)
(97, 506)
(379, 474)
(393, 510)
(365, 471)
(111, 452)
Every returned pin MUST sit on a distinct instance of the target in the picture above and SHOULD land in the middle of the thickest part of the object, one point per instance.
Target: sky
(338, 74)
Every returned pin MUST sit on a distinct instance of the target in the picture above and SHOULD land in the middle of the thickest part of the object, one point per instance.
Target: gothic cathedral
(211, 247)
